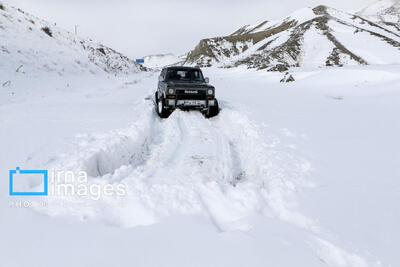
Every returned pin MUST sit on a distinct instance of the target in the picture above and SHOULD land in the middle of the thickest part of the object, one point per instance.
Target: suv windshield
(184, 75)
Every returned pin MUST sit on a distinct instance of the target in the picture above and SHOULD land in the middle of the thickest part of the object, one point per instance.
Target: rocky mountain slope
(30, 45)
(383, 12)
(310, 37)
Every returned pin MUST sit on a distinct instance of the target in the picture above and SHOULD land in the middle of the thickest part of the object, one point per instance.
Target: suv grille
(190, 94)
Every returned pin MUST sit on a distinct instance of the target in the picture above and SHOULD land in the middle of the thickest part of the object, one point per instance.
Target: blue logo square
(19, 171)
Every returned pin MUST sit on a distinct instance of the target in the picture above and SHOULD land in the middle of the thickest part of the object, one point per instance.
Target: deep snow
(303, 173)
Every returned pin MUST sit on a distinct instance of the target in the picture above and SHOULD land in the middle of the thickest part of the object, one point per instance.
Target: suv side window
(163, 74)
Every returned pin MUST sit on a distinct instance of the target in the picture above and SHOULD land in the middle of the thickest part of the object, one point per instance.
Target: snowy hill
(31, 45)
(321, 36)
(160, 60)
(384, 12)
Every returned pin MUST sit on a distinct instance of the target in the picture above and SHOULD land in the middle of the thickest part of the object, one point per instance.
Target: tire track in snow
(224, 168)
(179, 161)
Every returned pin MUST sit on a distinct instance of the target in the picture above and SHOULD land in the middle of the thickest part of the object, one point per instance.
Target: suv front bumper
(194, 104)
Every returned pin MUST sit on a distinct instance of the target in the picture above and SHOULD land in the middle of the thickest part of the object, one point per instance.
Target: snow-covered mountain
(310, 37)
(161, 60)
(383, 12)
(30, 45)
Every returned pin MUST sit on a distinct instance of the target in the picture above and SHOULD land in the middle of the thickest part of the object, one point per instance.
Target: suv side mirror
(160, 78)
(207, 80)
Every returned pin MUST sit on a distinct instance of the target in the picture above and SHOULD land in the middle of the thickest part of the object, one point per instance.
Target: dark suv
(184, 88)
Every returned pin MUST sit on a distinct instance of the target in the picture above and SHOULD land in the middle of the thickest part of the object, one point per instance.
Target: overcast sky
(138, 28)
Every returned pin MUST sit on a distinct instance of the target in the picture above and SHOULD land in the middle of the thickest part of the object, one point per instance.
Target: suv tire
(213, 110)
(160, 107)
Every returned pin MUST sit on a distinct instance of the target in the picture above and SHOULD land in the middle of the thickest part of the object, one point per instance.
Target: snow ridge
(383, 12)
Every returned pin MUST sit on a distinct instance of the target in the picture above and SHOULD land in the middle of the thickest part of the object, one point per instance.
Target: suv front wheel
(213, 110)
(160, 107)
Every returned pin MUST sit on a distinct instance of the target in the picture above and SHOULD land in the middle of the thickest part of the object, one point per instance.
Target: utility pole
(76, 29)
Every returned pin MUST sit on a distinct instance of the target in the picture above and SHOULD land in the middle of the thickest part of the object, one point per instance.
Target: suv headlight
(171, 91)
(210, 91)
